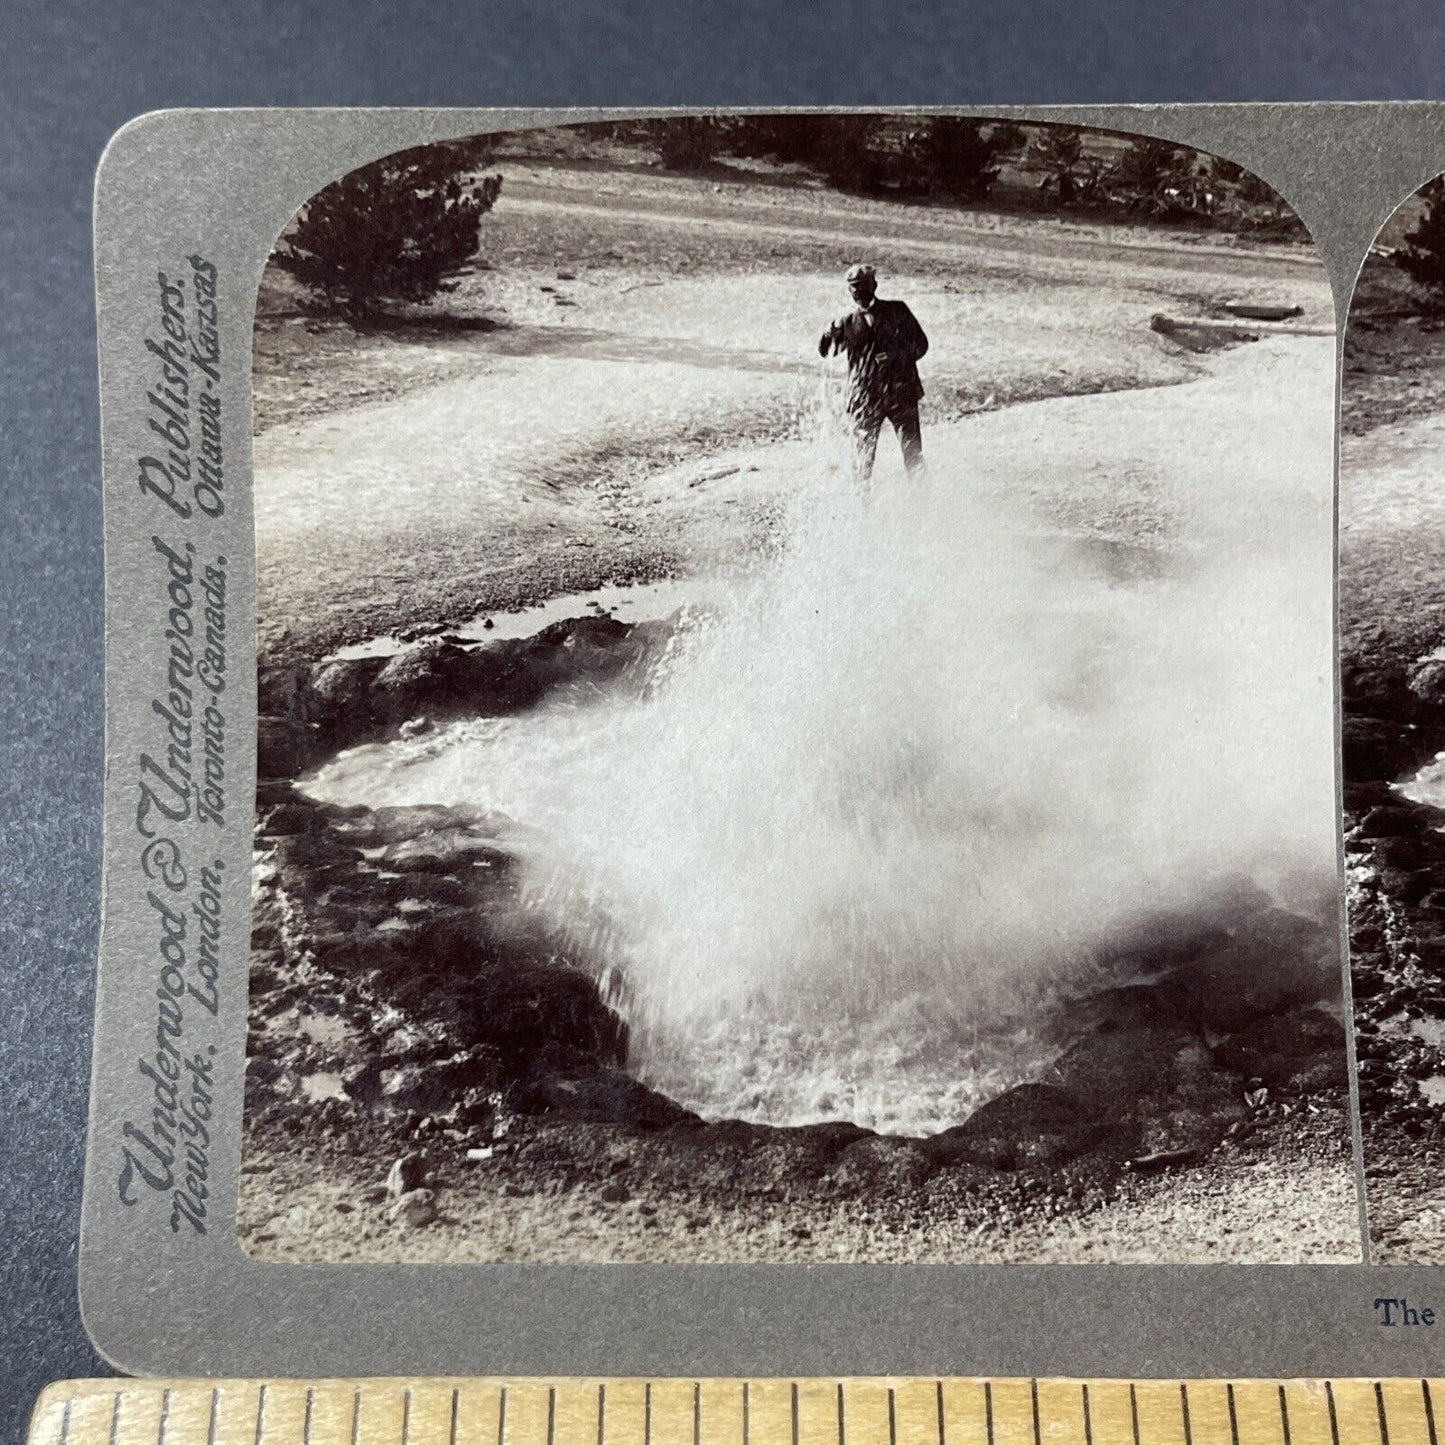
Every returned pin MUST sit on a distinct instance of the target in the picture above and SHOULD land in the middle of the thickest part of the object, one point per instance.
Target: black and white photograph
(1392, 649)
(796, 705)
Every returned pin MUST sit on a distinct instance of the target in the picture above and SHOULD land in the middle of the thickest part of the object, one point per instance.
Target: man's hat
(861, 272)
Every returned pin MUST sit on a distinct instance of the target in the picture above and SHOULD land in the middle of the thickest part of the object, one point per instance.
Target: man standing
(883, 343)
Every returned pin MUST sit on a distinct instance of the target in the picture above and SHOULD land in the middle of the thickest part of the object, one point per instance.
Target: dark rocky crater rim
(398, 984)
(1393, 725)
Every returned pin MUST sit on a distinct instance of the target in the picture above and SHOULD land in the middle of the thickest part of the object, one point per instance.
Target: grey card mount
(722, 743)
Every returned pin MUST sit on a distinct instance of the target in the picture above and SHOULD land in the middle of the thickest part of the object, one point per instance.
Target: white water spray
(871, 818)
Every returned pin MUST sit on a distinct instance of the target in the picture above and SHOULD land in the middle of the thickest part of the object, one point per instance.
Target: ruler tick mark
(310, 1407)
(1429, 1410)
(795, 1412)
(647, 1413)
(1088, 1418)
(1380, 1414)
(1184, 1413)
(601, 1410)
(355, 1417)
(65, 1418)
(551, 1414)
(261, 1413)
(892, 1420)
(1034, 1406)
(697, 1413)
(1134, 1413)
(840, 1413)
(1233, 1417)
(988, 1409)
(456, 1404)
(502, 1418)
(942, 1433)
(406, 1415)
(1284, 1414)
(114, 1418)
(1334, 1419)
(166, 1418)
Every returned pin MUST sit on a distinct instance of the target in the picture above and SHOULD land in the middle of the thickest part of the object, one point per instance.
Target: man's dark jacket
(883, 343)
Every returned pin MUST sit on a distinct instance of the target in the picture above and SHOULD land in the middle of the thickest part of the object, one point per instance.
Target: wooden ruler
(901, 1411)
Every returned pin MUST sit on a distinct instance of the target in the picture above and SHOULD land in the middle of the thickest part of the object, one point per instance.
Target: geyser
(871, 821)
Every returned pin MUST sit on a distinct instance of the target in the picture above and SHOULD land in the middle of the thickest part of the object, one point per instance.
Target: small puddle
(1424, 1030)
(636, 602)
(326, 1029)
(318, 1087)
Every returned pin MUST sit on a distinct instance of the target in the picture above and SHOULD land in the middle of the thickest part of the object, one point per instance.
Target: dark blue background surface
(70, 74)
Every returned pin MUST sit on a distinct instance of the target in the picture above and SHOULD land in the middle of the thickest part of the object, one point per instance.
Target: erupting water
(876, 815)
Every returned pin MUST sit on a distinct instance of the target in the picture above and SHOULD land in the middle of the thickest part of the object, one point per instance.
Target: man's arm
(918, 340)
(831, 339)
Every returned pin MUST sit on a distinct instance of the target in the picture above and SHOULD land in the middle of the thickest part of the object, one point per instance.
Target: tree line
(400, 230)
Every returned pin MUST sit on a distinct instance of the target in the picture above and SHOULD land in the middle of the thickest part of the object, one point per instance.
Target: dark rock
(1388, 821)
(284, 747)
(1427, 682)
(281, 691)
(1408, 886)
(361, 1080)
(886, 1166)
(1361, 796)
(298, 855)
(1374, 749)
(415, 1209)
(271, 792)
(339, 692)
(1031, 1124)
(1163, 1002)
(436, 677)
(615, 1193)
(1398, 851)
(1286, 1048)
(520, 1009)
(1429, 948)
(1274, 960)
(599, 1095)
(290, 818)
(407, 1175)
(1365, 982)
(1167, 939)
(1370, 688)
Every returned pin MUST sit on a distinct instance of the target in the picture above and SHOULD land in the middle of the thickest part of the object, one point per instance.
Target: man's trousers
(867, 425)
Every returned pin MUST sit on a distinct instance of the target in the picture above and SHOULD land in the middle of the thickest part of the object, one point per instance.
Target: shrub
(962, 155)
(1159, 179)
(1422, 257)
(841, 147)
(1069, 173)
(397, 230)
(686, 143)
(789, 139)
(1247, 203)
